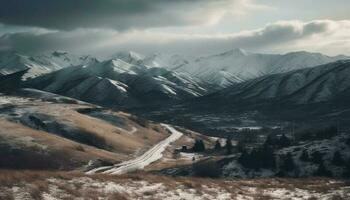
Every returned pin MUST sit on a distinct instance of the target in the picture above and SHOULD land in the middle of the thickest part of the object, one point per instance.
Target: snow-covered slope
(311, 85)
(118, 83)
(302, 167)
(233, 66)
(11, 62)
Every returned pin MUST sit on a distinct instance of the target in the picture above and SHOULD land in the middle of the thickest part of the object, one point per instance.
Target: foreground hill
(63, 133)
(58, 185)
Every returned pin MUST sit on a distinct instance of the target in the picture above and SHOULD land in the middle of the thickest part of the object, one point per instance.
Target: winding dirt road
(152, 155)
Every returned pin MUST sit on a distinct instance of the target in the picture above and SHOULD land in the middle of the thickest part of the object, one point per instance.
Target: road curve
(152, 155)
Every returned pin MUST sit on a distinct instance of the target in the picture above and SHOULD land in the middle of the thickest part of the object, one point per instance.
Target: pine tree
(322, 171)
(244, 159)
(271, 141)
(198, 146)
(284, 141)
(228, 145)
(317, 157)
(305, 156)
(268, 158)
(347, 141)
(240, 146)
(337, 159)
(346, 173)
(217, 145)
(288, 162)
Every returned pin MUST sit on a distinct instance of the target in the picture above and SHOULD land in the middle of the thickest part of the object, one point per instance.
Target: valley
(151, 124)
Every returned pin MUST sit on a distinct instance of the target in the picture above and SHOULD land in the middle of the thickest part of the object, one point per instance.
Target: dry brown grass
(38, 183)
(10, 178)
(118, 196)
(6, 195)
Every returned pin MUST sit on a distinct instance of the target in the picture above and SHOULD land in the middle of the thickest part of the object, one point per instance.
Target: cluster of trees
(264, 158)
(198, 146)
(275, 142)
(317, 158)
(258, 158)
(317, 134)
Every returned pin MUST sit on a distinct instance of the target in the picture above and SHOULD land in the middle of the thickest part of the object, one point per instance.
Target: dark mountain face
(10, 83)
(314, 95)
(310, 95)
(116, 83)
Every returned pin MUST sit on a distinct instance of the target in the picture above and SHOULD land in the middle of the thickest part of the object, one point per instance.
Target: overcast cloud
(104, 27)
(118, 14)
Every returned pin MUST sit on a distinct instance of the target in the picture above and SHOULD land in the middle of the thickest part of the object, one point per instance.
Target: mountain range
(220, 83)
(232, 66)
(12, 62)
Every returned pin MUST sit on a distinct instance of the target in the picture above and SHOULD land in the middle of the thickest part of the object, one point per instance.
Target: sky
(194, 27)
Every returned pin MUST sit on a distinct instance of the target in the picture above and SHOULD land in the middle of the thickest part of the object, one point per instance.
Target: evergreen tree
(347, 141)
(304, 156)
(346, 173)
(244, 159)
(240, 146)
(322, 171)
(317, 157)
(258, 158)
(271, 141)
(284, 141)
(337, 159)
(288, 162)
(228, 145)
(217, 145)
(198, 146)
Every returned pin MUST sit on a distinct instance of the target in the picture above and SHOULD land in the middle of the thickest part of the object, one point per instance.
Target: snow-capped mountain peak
(11, 62)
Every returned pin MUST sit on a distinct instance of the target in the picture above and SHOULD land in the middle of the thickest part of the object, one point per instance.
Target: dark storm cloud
(95, 41)
(116, 14)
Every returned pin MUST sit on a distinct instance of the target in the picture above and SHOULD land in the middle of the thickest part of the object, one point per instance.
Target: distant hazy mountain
(12, 62)
(118, 83)
(232, 66)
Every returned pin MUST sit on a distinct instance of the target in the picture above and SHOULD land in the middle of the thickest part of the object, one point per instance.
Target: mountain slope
(118, 83)
(318, 95)
(236, 65)
(305, 86)
(64, 133)
(12, 62)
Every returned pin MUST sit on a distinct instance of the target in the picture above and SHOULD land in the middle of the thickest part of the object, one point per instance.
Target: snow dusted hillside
(11, 62)
(232, 66)
(306, 159)
(118, 83)
(237, 65)
(312, 85)
(318, 95)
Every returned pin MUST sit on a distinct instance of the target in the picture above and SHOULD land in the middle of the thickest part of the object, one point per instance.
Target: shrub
(139, 120)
